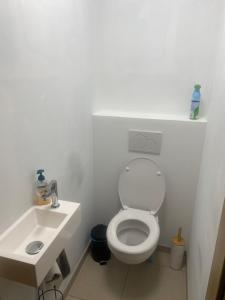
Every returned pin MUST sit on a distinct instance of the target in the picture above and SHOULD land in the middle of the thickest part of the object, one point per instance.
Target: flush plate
(145, 141)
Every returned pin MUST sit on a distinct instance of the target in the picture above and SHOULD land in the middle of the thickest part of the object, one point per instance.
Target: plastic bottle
(195, 103)
(41, 188)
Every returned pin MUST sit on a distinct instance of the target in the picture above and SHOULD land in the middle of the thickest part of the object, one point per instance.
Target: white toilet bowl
(133, 234)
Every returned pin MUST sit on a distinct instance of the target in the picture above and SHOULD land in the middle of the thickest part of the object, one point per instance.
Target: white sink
(52, 226)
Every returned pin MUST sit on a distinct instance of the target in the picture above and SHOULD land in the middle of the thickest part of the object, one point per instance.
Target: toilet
(133, 233)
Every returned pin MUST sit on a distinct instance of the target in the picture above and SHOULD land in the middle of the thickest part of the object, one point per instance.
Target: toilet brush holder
(177, 252)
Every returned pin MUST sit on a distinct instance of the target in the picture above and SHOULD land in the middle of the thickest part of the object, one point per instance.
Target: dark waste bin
(99, 249)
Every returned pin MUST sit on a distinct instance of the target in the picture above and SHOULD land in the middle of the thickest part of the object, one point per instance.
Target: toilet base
(133, 259)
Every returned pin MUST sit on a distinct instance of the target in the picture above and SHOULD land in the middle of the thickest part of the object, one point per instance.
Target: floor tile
(161, 258)
(95, 282)
(72, 298)
(153, 282)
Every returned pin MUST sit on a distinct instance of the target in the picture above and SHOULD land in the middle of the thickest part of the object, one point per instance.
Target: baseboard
(67, 283)
(164, 248)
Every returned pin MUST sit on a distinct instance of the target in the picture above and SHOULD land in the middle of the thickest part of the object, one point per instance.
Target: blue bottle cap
(41, 177)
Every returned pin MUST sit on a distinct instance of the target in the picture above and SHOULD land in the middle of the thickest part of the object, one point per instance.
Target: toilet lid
(142, 185)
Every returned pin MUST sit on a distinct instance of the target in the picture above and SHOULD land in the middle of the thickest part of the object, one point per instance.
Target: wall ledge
(118, 114)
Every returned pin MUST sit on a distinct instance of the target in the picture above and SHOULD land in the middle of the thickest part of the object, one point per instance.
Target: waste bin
(99, 249)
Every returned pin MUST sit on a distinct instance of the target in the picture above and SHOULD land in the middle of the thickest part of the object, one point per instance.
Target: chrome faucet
(53, 192)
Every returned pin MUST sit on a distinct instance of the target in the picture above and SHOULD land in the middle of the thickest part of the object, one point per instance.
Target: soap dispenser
(41, 189)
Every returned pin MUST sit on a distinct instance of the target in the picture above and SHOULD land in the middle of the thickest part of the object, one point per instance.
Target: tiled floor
(117, 281)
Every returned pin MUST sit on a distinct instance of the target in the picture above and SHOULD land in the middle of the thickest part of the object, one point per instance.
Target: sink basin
(51, 226)
(36, 225)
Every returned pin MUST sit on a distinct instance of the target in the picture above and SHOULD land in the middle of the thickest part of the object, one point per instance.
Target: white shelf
(118, 114)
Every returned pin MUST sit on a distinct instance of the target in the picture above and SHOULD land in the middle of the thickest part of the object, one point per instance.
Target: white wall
(45, 115)
(211, 189)
(150, 53)
(179, 159)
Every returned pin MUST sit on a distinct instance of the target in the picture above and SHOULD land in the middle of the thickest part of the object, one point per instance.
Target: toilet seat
(129, 215)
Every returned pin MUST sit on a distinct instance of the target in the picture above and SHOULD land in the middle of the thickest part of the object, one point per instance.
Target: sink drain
(34, 247)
